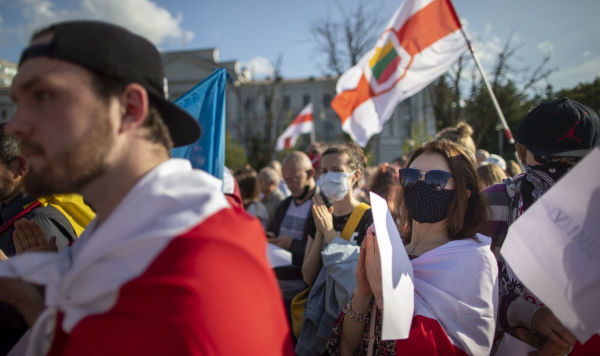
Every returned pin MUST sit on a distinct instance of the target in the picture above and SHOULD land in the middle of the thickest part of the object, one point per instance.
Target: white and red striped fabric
(421, 41)
(302, 124)
(456, 298)
(173, 270)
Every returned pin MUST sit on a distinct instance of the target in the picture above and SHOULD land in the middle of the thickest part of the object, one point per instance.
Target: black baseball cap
(560, 128)
(117, 53)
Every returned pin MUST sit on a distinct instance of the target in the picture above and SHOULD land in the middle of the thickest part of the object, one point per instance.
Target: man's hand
(551, 348)
(23, 296)
(283, 241)
(547, 324)
(29, 236)
(3, 256)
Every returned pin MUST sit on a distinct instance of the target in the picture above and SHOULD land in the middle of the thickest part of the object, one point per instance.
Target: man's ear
(134, 103)
(19, 167)
(311, 173)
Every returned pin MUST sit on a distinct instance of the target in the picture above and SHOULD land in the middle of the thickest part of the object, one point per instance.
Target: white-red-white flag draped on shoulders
(422, 40)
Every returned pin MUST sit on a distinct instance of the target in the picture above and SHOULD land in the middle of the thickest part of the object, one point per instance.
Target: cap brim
(184, 129)
(559, 152)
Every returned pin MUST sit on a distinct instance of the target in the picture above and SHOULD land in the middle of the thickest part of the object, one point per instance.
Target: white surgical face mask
(335, 185)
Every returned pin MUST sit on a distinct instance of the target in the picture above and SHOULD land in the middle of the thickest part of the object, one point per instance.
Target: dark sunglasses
(544, 159)
(435, 178)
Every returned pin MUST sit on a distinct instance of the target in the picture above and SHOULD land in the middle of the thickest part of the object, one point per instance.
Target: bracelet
(354, 316)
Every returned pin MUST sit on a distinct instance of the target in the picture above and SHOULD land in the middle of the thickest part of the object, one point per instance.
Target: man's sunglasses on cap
(435, 179)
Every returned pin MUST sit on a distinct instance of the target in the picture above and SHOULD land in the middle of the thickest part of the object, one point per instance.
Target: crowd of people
(179, 262)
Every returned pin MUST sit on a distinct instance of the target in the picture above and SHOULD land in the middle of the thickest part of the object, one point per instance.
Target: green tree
(585, 93)
(235, 154)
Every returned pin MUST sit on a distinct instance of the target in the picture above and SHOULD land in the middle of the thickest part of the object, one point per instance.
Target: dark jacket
(53, 223)
(298, 246)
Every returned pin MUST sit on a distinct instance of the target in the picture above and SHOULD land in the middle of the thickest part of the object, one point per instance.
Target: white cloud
(586, 54)
(488, 29)
(582, 72)
(260, 67)
(546, 47)
(140, 16)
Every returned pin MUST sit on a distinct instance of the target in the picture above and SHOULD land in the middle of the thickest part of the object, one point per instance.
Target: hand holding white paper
(554, 249)
(396, 273)
(278, 256)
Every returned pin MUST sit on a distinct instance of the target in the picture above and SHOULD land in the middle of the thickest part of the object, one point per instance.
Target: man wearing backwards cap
(557, 134)
(167, 266)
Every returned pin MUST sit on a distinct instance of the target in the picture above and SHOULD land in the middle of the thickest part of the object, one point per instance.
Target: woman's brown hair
(248, 182)
(468, 209)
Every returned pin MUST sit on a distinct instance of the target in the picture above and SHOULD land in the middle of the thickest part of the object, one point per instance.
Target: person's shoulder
(278, 195)
(231, 225)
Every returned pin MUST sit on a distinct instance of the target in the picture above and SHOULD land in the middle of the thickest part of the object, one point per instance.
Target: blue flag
(206, 102)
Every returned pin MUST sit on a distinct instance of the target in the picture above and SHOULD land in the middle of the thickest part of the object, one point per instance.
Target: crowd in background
(174, 261)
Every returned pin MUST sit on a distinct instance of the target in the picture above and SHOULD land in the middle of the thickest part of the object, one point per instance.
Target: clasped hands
(368, 271)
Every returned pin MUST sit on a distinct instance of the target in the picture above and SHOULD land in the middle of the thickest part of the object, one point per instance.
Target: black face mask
(304, 193)
(425, 205)
(544, 176)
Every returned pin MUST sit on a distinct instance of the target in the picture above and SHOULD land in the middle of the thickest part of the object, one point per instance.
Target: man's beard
(72, 170)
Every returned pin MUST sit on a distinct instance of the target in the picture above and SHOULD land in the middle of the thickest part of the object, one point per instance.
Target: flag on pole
(302, 124)
(206, 102)
(419, 44)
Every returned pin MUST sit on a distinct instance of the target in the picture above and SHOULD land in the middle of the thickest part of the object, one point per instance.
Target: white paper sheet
(554, 248)
(278, 256)
(396, 274)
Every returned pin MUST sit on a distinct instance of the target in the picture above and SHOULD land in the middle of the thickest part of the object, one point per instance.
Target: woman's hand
(373, 267)
(363, 289)
(323, 218)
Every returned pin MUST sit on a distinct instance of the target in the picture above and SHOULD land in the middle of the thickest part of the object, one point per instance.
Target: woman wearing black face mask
(454, 269)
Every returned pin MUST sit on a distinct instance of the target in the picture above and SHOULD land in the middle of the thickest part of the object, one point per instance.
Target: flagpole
(312, 130)
(507, 131)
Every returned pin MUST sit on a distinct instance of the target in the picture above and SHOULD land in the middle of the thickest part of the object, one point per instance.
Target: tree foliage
(585, 93)
(344, 42)
(258, 139)
(457, 97)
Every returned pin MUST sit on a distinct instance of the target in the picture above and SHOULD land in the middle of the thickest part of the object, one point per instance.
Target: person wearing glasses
(293, 221)
(555, 135)
(455, 272)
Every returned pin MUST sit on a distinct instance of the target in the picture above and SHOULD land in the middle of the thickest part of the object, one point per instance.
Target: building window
(326, 101)
(249, 104)
(286, 102)
(305, 99)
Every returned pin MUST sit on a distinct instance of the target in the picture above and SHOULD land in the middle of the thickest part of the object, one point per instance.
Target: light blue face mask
(335, 184)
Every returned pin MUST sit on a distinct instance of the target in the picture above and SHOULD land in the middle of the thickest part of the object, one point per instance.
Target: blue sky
(256, 32)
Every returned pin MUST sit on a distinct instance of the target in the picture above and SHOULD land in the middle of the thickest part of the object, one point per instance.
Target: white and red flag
(419, 44)
(302, 124)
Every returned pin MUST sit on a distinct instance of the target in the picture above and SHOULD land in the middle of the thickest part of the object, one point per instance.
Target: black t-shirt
(361, 230)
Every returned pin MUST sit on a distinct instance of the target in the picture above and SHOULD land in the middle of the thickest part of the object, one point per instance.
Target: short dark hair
(158, 132)
(10, 147)
(466, 216)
